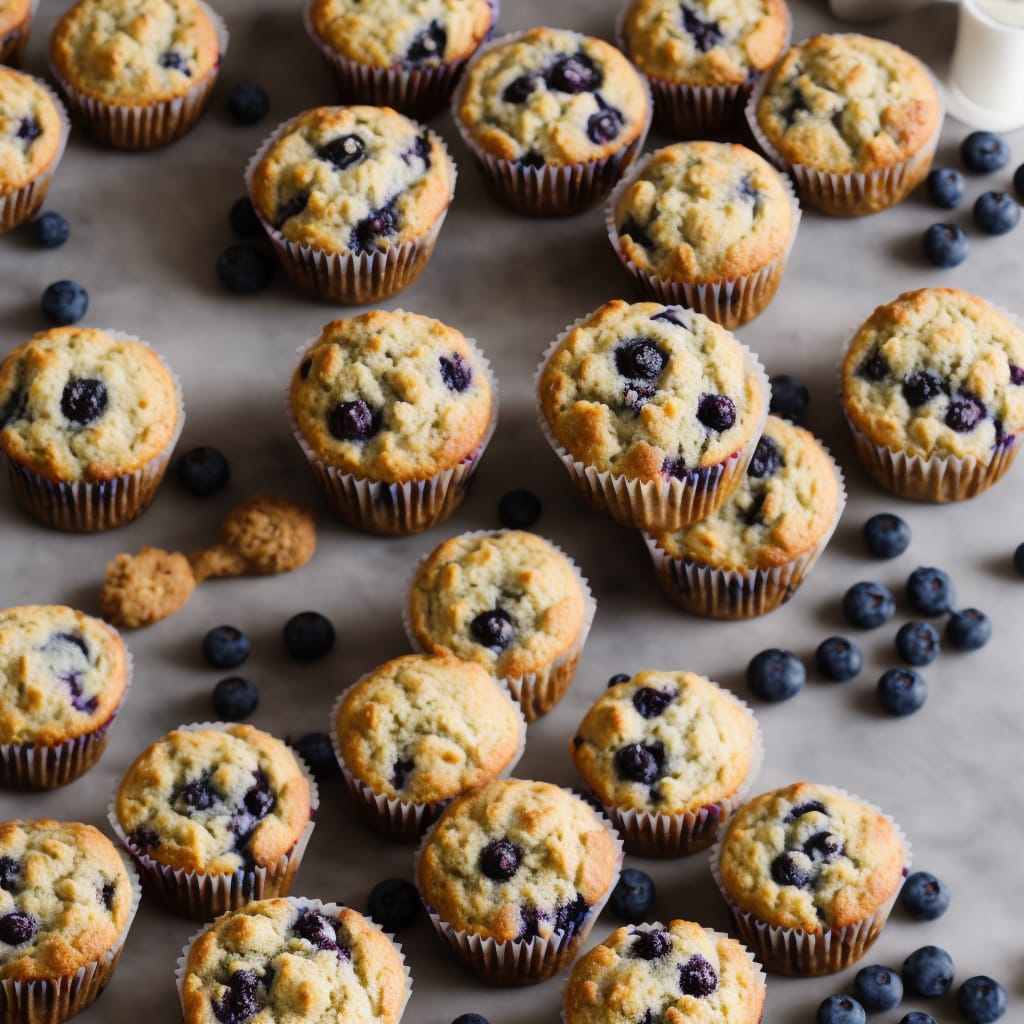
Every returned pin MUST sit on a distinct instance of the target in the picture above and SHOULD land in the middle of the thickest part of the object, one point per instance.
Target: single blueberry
(996, 213)
(790, 396)
(573, 73)
(697, 977)
(307, 636)
(259, 800)
(874, 367)
(569, 917)
(245, 270)
(652, 944)
(640, 359)
(767, 459)
(775, 675)
(924, 896)
(868, 605)
(901, 691)
(651, 703)
(887, 535)
(354, 421)
(243, 219)
(981, 999)
(10, 874)
(928, 972)
(965, 412)
(235, 698)
(292, 207)
(401, 770)
(50, 230)
(518, 509)
(604, 126)
(84, 400)
(920, 387)
(493, 629)
(984, 152)
(519, 89)
(470, 1018)
(343, 152)
(917, 643)
(633, 895)
(969, 629)
(839, 659)
(315, 749)
(619, 677)
(824, 847)
(930, 591)
(877, 988)
(791, 868)
(248, 103)
(204, 471)
(640, 762)
(394, 904)
(945, 245)
(706, 34)
(500, 859)
(64, 302)
(716, 412)
(225, 647)
(175, 60)
(456, 373)
(917, 1017)
(808, 807)
(378, 224)
(841, 1009)
(428, 45)
(194, 795)
(17, 928)
(945, 187)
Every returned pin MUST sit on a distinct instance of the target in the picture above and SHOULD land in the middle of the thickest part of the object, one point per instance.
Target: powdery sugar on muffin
(30, 130)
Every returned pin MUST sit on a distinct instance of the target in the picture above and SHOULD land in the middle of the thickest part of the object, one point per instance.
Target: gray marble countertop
(146, 230)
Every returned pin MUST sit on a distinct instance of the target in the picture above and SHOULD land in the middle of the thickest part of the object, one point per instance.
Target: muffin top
(80, 404)
(425, 728)
(134, 52)
(783, 506)
(515, 859)
(705, 42)
(62, 674)
(847, 102)
(704, 212)
(937, 372)
(509, 601)
(30, 129)
(284, 959)
(650, 391)
(65, 898)
(664, 742)
(404, 33)
(679, 973)
(548, 96)
(392, 396)
(810, 857)
(214, 800)
(353, 180)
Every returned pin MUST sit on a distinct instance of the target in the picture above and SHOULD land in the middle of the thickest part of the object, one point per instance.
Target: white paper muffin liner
(536, 692)
(730, 302)
(798, 952)
(657, 505)
(200, 895)
(351, 279)
(31, 766)
(734, 593)
(54, 1000)
(518, 963)
(392, 817)
(853, 194)
(147, 125)
(82, 507)
(303, 902)
(547, 191)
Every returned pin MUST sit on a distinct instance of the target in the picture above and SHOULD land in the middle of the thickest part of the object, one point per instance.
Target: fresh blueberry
(573, 73)
(493, 629)
(776, 675)
(17, 928)
(928, 971)
(984, 152)
(394, 904)
(901, 691)
(877, 988)
(235, 698)
(917, 643)
(841, 1009)
(790, 396)
(354, 421)
(225, 647)
(924, 896)
(917, 1017)
(716, 412)
(50, 230)
(315, 749)
(500, 859)
(245, 270)
(969, 629)
(308, 635)
(633, 895)
(981, 999)
(640, 762)
(343, 152)
(84, 400)
(519, 509)
(619, 677)
(868, 605)
(428, 45)
(1018, 559)
(996, 213)
(886, 535)
(243, 219)
(945, 245)
(652, 944)
(839, 659)
(930, 591)
(64, 302)
(604, 126)
(651, 703)
(766, 461)
(456, 373)
(204, 471)
(920, 387)
(1018, 181)
(792, 868)
(470, 1018)
(248, 103)
(697, 977)
(945, 187)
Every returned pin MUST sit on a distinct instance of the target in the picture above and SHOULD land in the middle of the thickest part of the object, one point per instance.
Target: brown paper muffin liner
(798, 952)
(731, 302)
(734, 593)
(516, 963)
(200, 895)
(547, 191)
(351, 279)
(537, 692)
(392, 817)
(320, 907)
(147, 125)
(54, 1000)
(30, 766)
(81, 507)
(657, 505)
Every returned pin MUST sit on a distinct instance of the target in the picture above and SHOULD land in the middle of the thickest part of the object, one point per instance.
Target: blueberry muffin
(511, 862)
(292, 959)
(682, 972)
(554, 118)
(810, 861)
(933, 389)
(854, 119)
(88, 420)
(509, 601)
(15, 21)
(654, 410)
(63, 675)
(420, 730)
(708, 225)
(666, 754)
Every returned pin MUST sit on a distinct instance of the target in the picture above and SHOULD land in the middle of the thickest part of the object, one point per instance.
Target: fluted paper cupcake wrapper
(548, 191)
(798, 952)
(730, 302)
(54, 1000)
(200, 895)
(82, 507)
(536, 692)
(149, 125)
(851, 194)
(518, 963)
(31, 766)
(303, 902)
(657, 505)
(345, 277)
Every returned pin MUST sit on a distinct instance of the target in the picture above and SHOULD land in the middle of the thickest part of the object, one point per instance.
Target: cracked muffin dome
(30, 130)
